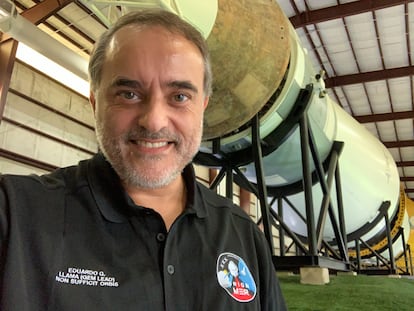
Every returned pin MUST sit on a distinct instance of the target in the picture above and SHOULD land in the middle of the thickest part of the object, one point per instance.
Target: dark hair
(165, 19)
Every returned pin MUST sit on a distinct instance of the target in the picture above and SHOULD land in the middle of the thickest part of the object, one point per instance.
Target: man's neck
(168, 201)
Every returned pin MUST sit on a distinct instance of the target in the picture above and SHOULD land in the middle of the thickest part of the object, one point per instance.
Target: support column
(307, 185)
(245, 197)
(8, 49)
(281, 231)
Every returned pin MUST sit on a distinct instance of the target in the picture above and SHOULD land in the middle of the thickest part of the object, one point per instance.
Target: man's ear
(92, 101)
(205, 104)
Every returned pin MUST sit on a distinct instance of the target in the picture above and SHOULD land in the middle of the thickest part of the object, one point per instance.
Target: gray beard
(129, 175)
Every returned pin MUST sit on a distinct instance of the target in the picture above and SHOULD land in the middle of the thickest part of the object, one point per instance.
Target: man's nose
(154, 114)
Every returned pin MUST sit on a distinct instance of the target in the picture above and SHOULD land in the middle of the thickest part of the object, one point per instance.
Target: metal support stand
(229, 170)
(229, 182)
(261, 187)
(311, 247)
(307, 185)
(281, 231)
(389, 240)
(401, 233)
(335, 258)
(388, 263)
(358, 253)
(411, 260)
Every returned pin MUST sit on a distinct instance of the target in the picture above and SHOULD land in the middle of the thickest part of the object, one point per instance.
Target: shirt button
(170, 269)
(160, 237)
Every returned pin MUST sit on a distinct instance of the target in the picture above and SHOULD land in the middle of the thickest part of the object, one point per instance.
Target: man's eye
(128, 95)
(180, 97)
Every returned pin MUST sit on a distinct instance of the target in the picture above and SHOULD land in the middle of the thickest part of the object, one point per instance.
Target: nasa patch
(235, 277)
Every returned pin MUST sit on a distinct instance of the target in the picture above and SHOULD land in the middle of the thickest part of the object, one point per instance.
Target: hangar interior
(345, 66)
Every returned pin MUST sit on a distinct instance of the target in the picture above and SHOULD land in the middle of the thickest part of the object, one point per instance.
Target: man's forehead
(136, 36)
(129, 32)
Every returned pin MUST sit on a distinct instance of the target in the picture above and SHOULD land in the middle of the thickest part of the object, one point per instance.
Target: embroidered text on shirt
(86, 277)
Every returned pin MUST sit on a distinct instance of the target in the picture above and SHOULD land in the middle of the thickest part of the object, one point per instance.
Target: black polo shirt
(74, 240)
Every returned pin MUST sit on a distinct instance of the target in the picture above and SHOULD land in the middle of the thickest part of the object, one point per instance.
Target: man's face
(149, 105)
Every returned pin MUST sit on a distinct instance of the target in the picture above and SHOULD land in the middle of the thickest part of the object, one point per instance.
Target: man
(131, 229)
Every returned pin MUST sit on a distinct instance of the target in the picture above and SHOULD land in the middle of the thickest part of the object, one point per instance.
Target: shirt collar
(195, 201)
(115, 204)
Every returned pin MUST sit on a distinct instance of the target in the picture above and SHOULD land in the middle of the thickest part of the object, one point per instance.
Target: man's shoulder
(61, 178)
(220, 204)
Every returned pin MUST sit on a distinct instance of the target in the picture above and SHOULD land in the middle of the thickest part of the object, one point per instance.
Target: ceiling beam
(342, 10)
(43, 10)
(399, 144)
(411, 178)
(369, 76)
(404, 163)
(390, 116)
(40, 12)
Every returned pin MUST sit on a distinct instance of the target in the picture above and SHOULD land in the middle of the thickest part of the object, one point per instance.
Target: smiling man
(148, 105)
(131, 228)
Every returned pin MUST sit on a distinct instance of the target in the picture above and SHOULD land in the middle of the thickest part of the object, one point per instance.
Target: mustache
(143, 133)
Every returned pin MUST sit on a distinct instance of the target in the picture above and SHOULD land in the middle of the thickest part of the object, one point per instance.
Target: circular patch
(235, 277)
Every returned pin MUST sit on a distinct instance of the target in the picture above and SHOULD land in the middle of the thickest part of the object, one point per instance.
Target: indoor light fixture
(7, 10)
(26, 32)
(52, 69)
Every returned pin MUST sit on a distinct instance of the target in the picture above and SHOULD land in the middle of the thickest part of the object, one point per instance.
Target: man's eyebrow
(178, 84)
(183, 85)
(126, 82)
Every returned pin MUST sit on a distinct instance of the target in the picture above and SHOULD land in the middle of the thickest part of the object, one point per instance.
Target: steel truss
(311, 250)
(314, 245)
